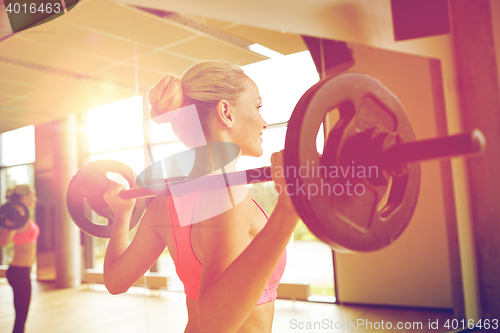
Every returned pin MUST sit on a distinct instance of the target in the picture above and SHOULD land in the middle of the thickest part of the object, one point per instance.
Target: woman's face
(29, 200)
(249, 123)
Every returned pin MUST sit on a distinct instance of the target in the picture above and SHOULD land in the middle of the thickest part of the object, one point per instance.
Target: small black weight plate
(90, 184)
(11, 217)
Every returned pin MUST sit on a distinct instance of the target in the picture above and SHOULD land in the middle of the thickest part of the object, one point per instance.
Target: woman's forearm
(118, 243)
(246, 277)
(6, 236)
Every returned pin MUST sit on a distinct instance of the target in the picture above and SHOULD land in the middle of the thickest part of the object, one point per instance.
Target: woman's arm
(6, 236)
(124, 264)
(233, 278)
(235, 275)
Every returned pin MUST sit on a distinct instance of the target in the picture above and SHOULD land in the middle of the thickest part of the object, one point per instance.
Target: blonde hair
(17, 192)
(204, 84)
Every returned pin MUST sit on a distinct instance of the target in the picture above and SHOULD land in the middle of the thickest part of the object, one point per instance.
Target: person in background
(24, 238)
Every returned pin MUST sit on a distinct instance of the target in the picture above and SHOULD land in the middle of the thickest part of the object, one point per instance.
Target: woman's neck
(214, 158)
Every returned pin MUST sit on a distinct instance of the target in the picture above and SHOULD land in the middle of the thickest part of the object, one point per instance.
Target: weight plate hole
(396, 195)
(331, 119)
(116, 177)
(91, 215)
(385, 198)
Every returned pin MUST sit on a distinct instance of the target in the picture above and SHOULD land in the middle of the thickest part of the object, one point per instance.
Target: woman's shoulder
(222, 204)
(157, 212)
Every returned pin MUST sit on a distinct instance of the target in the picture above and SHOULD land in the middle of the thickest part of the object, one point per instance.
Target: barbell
(13, 215)
(351, 209)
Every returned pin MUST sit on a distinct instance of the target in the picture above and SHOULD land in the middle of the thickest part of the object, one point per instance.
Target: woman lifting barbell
(25, 238)
(230, 263)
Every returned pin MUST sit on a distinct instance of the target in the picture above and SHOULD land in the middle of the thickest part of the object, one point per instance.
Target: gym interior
(73, 90)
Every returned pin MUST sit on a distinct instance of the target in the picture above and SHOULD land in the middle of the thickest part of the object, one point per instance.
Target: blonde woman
(230, 263)
(24, 238)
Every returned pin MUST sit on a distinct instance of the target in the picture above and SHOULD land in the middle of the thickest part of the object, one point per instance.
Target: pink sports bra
(30, 235)
(187, 265)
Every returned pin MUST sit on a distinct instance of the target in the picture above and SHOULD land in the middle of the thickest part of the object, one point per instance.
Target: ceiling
(102, 51)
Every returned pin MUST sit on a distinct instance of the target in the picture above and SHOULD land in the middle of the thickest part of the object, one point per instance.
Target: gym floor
(90, 308)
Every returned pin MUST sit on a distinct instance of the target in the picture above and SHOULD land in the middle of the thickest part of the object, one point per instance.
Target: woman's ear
(225, 113)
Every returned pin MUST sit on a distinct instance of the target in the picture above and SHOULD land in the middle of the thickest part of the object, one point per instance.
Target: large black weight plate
(90, 184)
(10, 211)
(350, 223)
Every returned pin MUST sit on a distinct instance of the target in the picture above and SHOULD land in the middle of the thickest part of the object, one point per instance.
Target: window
(18, 147)
(115, 132)
(282, 82)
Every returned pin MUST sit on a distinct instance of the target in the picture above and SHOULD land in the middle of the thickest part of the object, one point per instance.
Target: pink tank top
(187, 265)
(29, 235)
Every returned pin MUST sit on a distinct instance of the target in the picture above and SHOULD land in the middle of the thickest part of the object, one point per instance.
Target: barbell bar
(394, 157)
